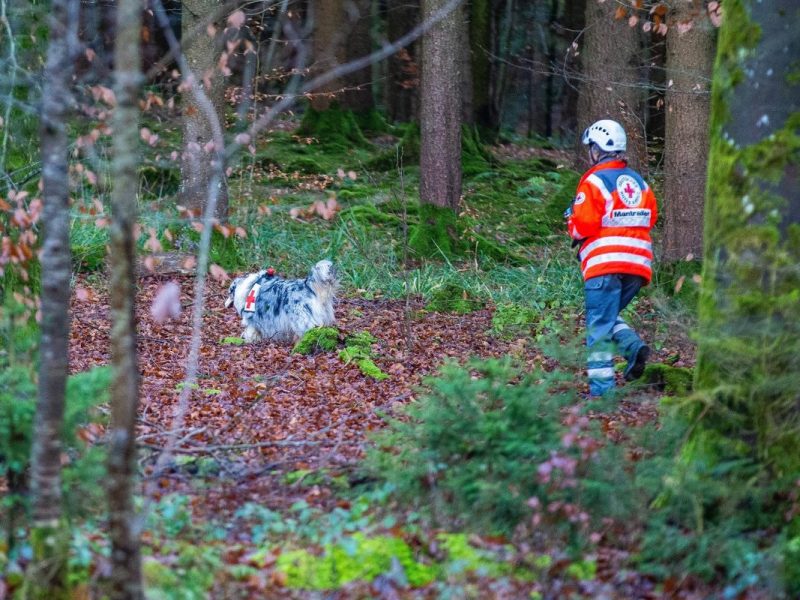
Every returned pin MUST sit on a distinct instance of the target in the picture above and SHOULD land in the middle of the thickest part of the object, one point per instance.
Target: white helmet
(607, 134)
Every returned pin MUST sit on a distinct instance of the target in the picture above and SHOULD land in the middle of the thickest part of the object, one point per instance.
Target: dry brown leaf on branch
(166, 303)
(218, 273)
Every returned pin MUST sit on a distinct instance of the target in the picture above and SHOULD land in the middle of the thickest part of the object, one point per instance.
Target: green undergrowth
(336, 129)
(453, 298)
(317, 339)
(357, 348)
(363, 558)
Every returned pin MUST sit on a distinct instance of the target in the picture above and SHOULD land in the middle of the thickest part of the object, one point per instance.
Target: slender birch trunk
(125, 559)
(48, 534)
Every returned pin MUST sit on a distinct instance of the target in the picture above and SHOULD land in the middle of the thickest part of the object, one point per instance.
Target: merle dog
(273, 308)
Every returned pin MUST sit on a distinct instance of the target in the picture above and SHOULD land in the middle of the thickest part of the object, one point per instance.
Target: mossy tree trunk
(49, 536)
(123, 529)
(749, 333)
(613, 86)
(202, 53)
(440, 132)
(690, 60)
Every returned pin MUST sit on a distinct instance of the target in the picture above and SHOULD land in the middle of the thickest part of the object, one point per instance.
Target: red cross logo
(629, 190)
(250, 301)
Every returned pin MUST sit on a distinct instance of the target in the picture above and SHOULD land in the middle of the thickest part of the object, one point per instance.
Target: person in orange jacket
(610, 220)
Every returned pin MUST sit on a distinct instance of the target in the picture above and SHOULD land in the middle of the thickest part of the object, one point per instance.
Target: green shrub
(512, 320)
(484, 442)
(451, 297)
(715, 512)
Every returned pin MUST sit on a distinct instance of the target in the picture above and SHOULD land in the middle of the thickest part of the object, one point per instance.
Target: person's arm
(587, 214)
(653, 207)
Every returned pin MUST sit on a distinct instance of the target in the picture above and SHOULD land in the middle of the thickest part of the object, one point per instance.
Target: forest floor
(271, 427)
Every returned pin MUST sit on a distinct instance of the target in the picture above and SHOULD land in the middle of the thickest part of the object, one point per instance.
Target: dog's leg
(251, 335)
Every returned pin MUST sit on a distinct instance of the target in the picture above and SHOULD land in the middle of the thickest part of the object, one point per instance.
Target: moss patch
(674, 381)
(318, 338)
(358, 349)
(362, 558)
(334, 127)
(437, 234)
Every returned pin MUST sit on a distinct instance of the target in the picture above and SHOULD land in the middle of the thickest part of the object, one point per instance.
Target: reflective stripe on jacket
(612, 213)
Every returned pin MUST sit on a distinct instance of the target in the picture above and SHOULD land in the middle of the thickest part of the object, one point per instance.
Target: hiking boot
(636, 368)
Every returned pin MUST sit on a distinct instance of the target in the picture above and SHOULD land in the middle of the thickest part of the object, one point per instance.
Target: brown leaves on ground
(257, 408)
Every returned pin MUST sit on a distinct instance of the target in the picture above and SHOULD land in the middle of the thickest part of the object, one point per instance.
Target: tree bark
(328, 49)
(480, 46)
(573, 21)
(440, 113)
(690, 60)
(358, 94)
(749, 334)
(467, 81)
(125, 557)
(48, 577)
(613, 86)
(202, 53)
(402, 93)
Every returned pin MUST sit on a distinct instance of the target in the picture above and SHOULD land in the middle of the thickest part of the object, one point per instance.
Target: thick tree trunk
(329, 49)
(49, 541)
(125, 557)
(539, 40)
(402, 92)
(573, 22)
(480, 46)
(467, 82)
(690, 59)
(440, 113)
(201, 53)
(358, 94)
(749, 350)
(613, 87)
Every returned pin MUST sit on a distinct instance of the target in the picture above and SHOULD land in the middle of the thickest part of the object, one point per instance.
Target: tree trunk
(123, 530)
(573, 22)
(612, 87)
(539, 39)
(467, 81)
(358, 94)
(480, 45)
(440, 114)
(749, 350)
(328, 49)
(440, 133)
(690, 59)
(48, 535)
(402, 92)
(201, 53)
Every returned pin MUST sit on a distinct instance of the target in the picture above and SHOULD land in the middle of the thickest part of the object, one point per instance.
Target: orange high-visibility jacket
(612, 214)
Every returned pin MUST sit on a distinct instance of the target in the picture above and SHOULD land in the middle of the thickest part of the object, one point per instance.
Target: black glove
(578, 244)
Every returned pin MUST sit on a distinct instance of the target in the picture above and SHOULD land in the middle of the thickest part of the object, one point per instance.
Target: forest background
(437, 442)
